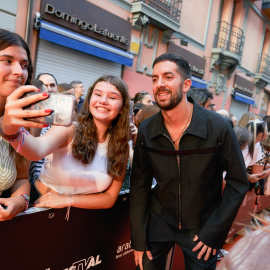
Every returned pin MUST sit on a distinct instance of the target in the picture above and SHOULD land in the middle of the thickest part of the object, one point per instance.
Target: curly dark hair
(85, 140)
(200, 95)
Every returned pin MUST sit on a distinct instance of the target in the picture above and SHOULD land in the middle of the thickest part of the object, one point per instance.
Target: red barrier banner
(90, 239)
(263, 202)
(244, 214)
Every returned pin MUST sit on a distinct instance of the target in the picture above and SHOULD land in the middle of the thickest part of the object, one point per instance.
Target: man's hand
(205, 249)
(138, 256)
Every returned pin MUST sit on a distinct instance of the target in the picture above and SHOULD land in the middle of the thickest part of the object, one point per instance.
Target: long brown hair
(146, 112)
(85, 140)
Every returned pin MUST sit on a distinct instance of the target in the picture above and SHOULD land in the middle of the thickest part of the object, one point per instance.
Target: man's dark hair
(45, 73)
(137, 107)
(74, 83)
(182, 64)
(62, 87)
(201, 95)
(38, 83)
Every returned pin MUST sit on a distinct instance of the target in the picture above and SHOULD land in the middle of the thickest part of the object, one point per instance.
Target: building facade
(227, 43)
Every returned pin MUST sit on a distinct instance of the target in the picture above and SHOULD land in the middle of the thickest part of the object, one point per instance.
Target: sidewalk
(262, 219)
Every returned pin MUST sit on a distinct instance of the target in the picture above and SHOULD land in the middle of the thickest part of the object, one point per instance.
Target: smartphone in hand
(62, 105)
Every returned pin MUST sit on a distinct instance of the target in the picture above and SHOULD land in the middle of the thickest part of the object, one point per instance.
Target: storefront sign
(197, 70)
(243, 86)
(243, 90)
(197, 63)
(88, 19)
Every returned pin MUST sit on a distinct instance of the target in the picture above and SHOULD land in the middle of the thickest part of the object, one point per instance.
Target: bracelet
(19, 136)
(23, 131)
(26, 198)
(10, 138)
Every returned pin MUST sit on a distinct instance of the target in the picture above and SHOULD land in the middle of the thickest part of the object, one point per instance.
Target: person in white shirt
(85, 163)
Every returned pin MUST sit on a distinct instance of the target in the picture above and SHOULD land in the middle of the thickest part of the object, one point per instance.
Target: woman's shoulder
(63, 133)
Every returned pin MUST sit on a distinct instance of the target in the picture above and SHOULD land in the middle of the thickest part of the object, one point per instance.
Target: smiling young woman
(15, 72)
(85, 163)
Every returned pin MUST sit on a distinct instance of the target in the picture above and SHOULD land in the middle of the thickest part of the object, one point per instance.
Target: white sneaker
(224, 252)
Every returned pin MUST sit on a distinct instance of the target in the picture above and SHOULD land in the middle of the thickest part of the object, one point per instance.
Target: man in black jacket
(186, 149)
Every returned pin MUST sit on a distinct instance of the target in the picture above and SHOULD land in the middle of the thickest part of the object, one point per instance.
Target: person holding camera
(15, 71)
(86, 162)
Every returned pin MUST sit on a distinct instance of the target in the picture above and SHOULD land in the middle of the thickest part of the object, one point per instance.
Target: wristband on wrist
(26, 198)
(19, 136)
(10, 138)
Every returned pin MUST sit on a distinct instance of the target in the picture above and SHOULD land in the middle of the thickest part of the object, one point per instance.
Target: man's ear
(187, 84)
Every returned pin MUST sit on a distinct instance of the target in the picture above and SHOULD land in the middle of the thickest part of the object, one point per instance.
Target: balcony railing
(229, 37)
(170, 8)
(264, 64)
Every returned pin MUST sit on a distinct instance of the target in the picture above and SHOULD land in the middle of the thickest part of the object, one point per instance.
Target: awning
(243, 98)
(198, 83)
(81, 43)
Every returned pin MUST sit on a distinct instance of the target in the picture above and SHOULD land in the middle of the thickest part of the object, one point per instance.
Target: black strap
(164, 152)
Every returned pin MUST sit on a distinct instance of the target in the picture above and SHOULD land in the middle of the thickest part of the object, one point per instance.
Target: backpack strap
(164, 152)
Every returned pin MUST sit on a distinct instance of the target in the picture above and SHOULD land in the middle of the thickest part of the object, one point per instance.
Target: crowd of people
(178, 159)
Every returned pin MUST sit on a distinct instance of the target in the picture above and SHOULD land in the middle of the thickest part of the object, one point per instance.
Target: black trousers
(161, 238)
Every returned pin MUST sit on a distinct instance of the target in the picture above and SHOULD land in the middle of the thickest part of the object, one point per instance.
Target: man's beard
(173, 102)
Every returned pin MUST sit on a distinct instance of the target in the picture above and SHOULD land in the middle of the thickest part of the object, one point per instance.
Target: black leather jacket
(188, 194)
